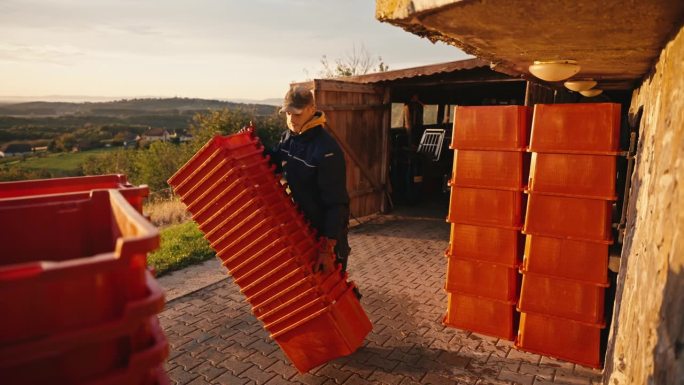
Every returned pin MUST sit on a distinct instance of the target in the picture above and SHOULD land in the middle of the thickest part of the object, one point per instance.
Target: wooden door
(358, 117)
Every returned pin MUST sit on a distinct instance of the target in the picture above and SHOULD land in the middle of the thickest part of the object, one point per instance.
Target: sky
(223, 49)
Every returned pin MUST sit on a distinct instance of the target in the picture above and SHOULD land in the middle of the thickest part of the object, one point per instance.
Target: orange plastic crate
(575, 175)
(572, 218)
(557, 257)
(215, 149)
(261, 263)
(482, 279)
(486, 207)
(290, 307)
(335, 331)
(482, 315)
(486, 244)
(560, 338)
(491, 128)
(588, 128)
(507, 170)
(75, 185)
(67, 265)
(115, 354)
(564, 298)
(322, 284)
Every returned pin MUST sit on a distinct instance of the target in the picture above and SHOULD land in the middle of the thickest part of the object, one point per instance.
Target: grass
(166, 212)
(58, 164)
(181, 245)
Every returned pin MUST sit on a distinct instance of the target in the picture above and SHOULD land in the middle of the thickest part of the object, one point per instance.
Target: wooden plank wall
(356, 113)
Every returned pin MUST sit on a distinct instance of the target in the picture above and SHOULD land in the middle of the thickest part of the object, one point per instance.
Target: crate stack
(568, 230)
(78, 303)
(489, 172)
(269, 249)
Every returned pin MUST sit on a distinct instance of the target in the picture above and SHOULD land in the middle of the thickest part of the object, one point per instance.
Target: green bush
(181, 245)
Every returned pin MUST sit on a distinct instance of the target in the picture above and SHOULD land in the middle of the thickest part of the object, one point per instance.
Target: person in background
(313, 165)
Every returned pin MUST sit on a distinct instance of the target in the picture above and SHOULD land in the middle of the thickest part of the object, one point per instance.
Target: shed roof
(408, 73)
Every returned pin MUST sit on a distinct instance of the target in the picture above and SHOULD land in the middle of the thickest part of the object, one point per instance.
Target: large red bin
(75, 185)
(574, 175)
(486, 244)
(565, 258)
(571, 218)
(482, 315)
(586, 128)
(482, 279)
(486, 207)
(491, 128)
(564, 298)
(315, 338)
(560, 338)
(92, 352)
(506, 170)
(69, 265)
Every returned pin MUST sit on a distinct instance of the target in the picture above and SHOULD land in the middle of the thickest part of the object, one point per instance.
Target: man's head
(299, 107)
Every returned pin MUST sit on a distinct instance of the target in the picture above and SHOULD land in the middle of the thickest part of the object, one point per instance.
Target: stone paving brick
(399, 266)
(198, 381)
(516, 378)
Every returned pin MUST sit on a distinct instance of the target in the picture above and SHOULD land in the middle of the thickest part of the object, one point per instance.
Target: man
(313, 164)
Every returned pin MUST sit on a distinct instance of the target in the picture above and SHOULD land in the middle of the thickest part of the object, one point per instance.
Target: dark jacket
(313, 165)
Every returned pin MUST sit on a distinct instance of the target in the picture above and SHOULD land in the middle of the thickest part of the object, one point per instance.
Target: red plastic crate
(574, 175)
(491, 128)
(486, 244)
(75, 185)
(564, 298)
(486, 207)
(560, 338)
(587, 128)
(335, 331)
(571, 218)
(218, 148)
(104, 359)
(482, 279)
(227, 180)
(506, 170)
(586, 262)
(260, 264)
(298, 241)
(290, 308)
(482, 315)
(68, 265)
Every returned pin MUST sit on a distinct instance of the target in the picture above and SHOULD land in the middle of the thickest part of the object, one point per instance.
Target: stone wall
(648, 338)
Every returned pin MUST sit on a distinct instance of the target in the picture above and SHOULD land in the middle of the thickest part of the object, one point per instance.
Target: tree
(357, 62)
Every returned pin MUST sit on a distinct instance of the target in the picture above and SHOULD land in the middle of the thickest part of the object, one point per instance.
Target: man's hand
(325, 262)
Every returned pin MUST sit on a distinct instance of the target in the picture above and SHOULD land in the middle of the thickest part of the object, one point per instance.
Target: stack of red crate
(78, 303)
(568, 227)
(269, 250)
(490, 168)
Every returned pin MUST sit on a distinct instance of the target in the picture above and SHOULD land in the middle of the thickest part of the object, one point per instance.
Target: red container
(482, 279)
(260, 264)
(218, 148)
(481, 315)
(69, 265)
(491, 128)
(486, 244)
(587, 128)
(290, 308)
(574, 175)
(227, 180)
(585, 262)
(120, 357)
(560, 338)
(506, 170)
(322, 283)
(82, 184)
(571, 218)
(564, 298)
(335, 331)
(486, 207)
(300, 242)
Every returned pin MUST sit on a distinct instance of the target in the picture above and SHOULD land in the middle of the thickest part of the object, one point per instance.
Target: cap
(296, 99)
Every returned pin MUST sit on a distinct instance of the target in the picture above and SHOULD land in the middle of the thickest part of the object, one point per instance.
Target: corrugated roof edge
(417, 71)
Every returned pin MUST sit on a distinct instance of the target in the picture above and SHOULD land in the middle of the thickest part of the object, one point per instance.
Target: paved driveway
(399, 265)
